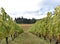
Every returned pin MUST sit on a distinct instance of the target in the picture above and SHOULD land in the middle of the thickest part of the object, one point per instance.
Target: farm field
(25, 26)
(44, 31)
(28, 38)
(29, 22)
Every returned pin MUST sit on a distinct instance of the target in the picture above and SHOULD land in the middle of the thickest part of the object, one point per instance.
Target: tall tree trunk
(6, 40)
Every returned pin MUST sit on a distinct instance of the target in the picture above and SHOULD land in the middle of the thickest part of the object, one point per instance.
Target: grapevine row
(48, 27)
(8, 28)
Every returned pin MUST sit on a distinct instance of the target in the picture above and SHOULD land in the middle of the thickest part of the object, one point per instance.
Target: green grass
(26, 38)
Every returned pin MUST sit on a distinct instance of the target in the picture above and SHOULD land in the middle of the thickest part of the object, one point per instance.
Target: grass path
(28, 38)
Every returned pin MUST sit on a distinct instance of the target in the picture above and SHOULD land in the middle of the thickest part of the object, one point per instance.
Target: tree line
(25, 20)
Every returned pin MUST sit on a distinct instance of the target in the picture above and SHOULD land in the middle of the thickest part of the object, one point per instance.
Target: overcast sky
(28, 8)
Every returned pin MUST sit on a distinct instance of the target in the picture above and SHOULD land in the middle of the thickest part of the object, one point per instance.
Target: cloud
(29, 8)
(14, 7)
(20, 5)
(48, 5)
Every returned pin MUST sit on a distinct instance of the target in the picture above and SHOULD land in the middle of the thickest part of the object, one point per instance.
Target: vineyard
(44, 31)
(48, 27)
(8, 28)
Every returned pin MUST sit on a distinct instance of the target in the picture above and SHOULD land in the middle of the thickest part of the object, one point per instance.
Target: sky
(29, 8)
